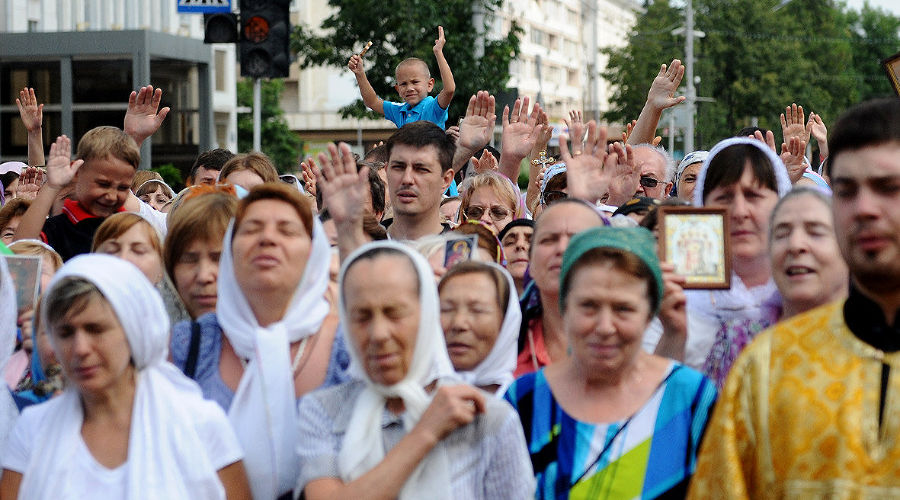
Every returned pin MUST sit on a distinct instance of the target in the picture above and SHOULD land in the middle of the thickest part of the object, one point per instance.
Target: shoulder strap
(190, 365)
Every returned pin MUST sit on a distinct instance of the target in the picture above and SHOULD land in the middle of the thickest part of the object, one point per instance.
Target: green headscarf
(635, 240)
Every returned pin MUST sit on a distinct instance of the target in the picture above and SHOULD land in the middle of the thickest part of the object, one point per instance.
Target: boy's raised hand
(142, 119)
(355, 64)
(60, 170)
(439, 43)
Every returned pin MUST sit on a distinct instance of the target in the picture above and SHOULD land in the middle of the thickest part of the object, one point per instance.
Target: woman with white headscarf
(271, 339)
(403, 430)
(481, 317)
(129, 424)
(747, 177)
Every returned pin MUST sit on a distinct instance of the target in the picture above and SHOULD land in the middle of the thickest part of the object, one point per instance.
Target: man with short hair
(657, 171)
(206, 167)
(810, 408)
(419, 170)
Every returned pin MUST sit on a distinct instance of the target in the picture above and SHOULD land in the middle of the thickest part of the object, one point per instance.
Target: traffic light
(265, 33)
(220, 28)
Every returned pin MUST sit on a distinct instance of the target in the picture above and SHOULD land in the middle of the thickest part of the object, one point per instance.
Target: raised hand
(477, 126)
(587, 170)
(308, 171)
(30, 182)
(144, 117)
(576, 126)
(355, 65)
(60, 170)
(819, 132)
(344, 190)
(30, 111)
(625, 176)
(793, 156)
(439, 43)
(520, 131)
(486, 163)
(662, 90)
(768, 140)
(793, 124)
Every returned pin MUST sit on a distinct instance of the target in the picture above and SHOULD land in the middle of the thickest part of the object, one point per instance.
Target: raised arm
(819, 132)
(369, 97)
(144, 117)
(475, 129)
(449, 87)
(60, 172)
(32, 115)
(344, 192)
(660, 97)
(520, 134)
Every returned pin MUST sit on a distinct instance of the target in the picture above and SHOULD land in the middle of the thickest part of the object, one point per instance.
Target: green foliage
(276, 139)
(171, 175)
(756, 59)
(408, 29)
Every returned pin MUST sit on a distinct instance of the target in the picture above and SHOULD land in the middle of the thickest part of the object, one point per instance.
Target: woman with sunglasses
(491, 199)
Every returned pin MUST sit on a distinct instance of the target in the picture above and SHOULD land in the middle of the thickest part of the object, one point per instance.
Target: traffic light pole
(257, 106)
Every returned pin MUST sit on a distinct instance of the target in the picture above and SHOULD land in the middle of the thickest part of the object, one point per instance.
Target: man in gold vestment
(811, 409)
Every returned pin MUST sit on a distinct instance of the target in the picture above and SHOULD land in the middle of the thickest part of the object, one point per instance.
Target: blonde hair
(257, 163)
(102, 142)
(502, 187)
(409, 61)
(34, 247)
(141, 177)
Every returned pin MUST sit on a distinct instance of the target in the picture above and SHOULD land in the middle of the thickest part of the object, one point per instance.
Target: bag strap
(190, 366)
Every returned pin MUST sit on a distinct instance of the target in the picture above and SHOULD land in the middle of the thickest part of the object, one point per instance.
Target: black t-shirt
(70, 239)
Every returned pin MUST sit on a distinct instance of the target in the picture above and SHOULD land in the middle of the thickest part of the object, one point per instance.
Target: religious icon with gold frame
(696, 241)
(891, 66)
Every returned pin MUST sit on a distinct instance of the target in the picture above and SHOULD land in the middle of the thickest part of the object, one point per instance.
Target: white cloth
(156, 218)
(363, 444)
(8, 310)
(500, 363)
(782, 179)
(264, 410)
(167, 456)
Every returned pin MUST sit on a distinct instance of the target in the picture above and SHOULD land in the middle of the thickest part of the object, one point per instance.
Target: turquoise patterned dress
(651, 454)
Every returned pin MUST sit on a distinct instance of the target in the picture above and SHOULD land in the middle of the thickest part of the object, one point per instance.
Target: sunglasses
(550, 197)
(496, 213)
(649, 182)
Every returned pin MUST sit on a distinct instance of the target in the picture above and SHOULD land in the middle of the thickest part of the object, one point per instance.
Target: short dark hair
(214, 159)
(727, 167)
(421, 134)
(744, 132)
(868, 124)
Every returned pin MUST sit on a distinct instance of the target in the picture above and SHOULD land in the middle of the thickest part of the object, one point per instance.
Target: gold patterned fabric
(798, 417)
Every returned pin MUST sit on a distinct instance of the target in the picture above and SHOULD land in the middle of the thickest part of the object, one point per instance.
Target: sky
(888, 5)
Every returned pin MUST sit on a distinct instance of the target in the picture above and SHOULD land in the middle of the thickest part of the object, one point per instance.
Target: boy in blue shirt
(414, 83)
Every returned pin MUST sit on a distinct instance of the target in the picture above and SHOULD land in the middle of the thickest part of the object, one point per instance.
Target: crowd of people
(316, 334)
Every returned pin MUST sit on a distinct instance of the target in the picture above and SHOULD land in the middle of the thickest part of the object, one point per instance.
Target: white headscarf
(8, 311)
(264, 409)
(363, 447)
(165, 451)
(782, 180)
(500, 363)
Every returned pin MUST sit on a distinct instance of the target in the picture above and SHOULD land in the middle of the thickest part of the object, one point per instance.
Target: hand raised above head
(477, 126)
(60, 170)
(144, 117)
(30, 111)
(793, 124)
(662, 90)
(344, 189)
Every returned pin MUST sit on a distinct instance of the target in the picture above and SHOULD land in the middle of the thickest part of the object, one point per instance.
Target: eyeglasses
(289, 179)
(496, 213)
(550, 197)
(649, 182)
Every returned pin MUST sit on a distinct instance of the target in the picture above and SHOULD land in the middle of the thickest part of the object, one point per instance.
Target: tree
(757, 57)
(401, 29)
(276, 139)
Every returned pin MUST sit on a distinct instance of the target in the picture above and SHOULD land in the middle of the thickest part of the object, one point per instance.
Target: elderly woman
(686, 174)
(271, 339)
(516, 241)
(490, 198)
(611, 420)
(746, 177)
(193, 247)
(248, 170)
(129, 425)
(403, 430)
(480, 317)
(806, 262)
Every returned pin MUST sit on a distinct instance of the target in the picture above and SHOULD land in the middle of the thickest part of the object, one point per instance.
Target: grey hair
(669, 175)
(817, 193)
